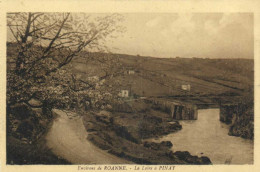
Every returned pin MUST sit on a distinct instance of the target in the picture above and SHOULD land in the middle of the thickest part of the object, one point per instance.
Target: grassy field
(164, 76)
(211, 80)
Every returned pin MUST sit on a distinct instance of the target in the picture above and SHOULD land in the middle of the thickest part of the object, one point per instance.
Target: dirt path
(67, 139)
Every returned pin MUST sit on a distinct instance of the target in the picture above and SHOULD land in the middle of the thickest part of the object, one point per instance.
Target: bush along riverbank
(26, 128)
(241, 119)
(122, 132)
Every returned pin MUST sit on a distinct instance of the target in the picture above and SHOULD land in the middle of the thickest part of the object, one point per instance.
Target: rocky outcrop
(26, 123)
(158, 153)
(187, 157)
(26, 127)
(241, 119)
(228, 113)
(121, 134)
(158, 146)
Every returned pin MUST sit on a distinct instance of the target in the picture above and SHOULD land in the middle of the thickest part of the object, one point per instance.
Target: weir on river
(177, 110)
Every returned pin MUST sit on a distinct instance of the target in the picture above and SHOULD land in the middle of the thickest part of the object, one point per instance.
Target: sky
(169, 35)
(205, 35)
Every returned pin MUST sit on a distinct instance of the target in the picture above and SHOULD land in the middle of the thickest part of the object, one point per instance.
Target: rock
(175, 126)
(152, 145)
(187, 157)
(103, 116)
(136, 159)
(170, 154)
(90, 127)
(205, 160)
(35, 102)
(158, 146)
(25, 129)
(117, 152)
(100, 140)
(166, 144)
(20, 111)
(182, 155)
(123, 132)
(227, 112)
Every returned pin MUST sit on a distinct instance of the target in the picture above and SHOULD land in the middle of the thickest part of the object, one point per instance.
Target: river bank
(241, 119)
(209, 137)
(69, 139)
(123, 133)
(26, 132)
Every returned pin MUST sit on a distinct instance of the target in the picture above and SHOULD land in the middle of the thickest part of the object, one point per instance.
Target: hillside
(210, 79)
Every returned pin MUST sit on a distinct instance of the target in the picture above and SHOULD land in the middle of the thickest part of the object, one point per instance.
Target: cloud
(213, 35)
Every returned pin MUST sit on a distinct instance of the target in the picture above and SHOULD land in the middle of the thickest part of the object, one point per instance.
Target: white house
(124, 93)
(185, 87)
(130, 72)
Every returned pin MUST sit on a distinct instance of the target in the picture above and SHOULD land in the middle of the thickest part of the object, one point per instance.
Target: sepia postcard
(129, 85)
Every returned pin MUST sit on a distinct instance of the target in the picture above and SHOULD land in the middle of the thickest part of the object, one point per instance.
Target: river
(67, 138)
(209, 137)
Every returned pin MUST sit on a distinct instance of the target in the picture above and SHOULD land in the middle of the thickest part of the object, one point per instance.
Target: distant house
(130, 72)
(124, 93)
(185, 87)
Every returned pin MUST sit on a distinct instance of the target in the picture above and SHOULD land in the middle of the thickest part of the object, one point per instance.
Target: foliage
(46, 43)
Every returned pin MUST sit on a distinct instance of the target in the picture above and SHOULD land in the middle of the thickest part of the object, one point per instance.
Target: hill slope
(163, 77)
